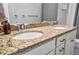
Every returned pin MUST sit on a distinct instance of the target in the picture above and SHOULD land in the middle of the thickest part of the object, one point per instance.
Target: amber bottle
(6, 27)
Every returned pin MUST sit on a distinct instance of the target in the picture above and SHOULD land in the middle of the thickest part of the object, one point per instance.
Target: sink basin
(28, 35)
(59, 28)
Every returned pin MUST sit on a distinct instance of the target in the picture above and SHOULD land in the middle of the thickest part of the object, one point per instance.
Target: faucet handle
(24, 27)
(17, 28)
(54, 22)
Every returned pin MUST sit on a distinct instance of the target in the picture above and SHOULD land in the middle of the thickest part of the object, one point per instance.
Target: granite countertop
(10, 45)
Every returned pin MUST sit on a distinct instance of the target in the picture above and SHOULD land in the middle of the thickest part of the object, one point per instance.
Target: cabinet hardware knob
(72, 40)
(63, 48)
(60, 50)
(62, 40)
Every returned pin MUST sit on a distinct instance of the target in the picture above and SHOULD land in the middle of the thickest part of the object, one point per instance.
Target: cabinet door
(69, 49)
(69, 46)
(72, 47)
(60, 50)
(41, 50)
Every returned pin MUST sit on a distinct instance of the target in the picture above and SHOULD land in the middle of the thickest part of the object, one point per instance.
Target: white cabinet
(72, 47)
(65, 43)
(69, 46)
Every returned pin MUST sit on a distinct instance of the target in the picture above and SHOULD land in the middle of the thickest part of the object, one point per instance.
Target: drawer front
(52, 52)
(42, 50)
(61, 40)
(60, 50)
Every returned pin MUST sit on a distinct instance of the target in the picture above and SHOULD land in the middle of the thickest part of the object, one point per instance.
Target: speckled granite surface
(10, 45)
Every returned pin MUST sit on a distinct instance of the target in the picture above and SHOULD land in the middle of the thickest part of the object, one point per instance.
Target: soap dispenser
(6, 27)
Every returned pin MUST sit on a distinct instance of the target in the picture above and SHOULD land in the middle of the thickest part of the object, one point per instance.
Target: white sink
(59, 28)
(28, 35)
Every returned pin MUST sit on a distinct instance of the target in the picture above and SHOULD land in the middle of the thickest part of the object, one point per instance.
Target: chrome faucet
(21, 27)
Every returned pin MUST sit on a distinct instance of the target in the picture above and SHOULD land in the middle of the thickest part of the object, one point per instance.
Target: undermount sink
(28, 35)
(59, 28)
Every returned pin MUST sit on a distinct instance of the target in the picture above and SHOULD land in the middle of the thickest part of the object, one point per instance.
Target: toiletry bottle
(6, 27)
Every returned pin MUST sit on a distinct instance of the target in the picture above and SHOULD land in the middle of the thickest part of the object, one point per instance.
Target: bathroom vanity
(60, 45)
(56, 40)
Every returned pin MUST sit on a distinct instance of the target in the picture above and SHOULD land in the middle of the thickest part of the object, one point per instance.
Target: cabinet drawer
(60, 40)
(60, 50)
(43, 49)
